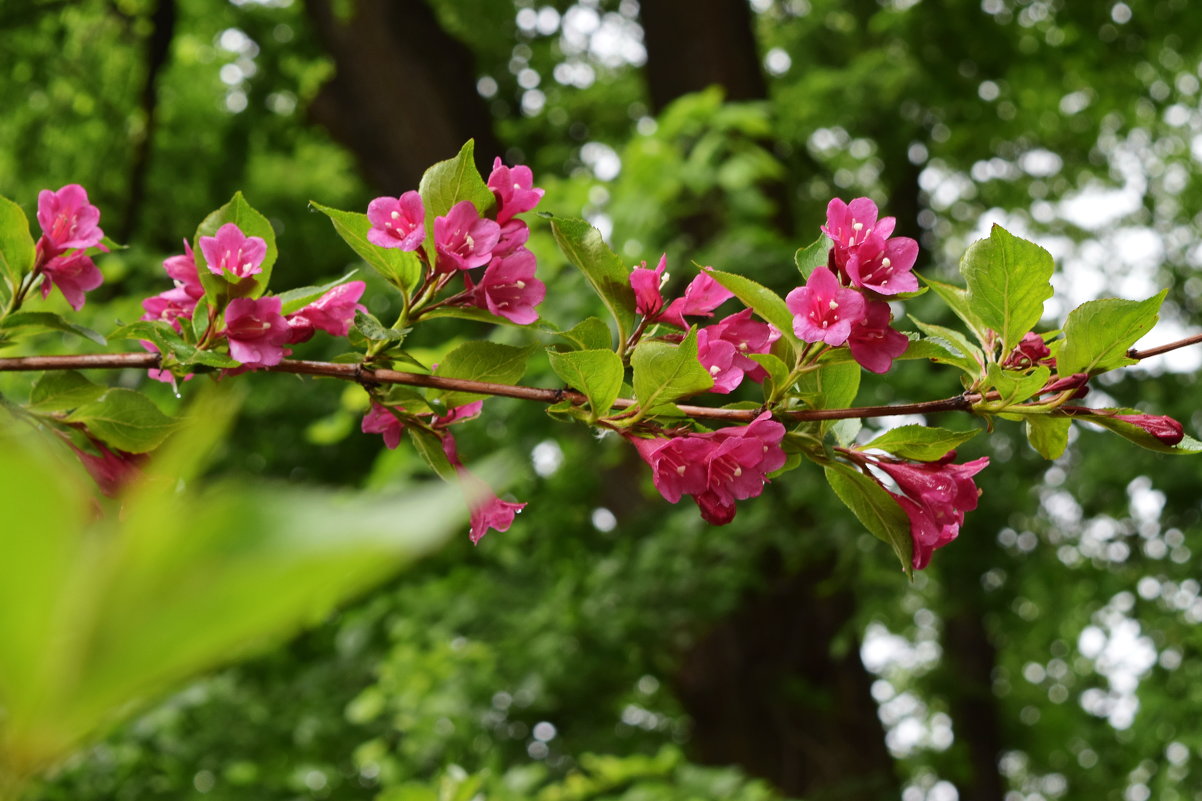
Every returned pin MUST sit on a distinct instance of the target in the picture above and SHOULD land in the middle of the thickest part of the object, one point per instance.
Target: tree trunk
(404, 92)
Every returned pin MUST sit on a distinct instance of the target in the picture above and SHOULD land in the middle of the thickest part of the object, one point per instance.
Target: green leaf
(584, 247)
(454, 181)
(830, 386)
(125, 420)
(1140, 436)
(402, 268)
(154, 330)
(664, 372)
(778, 372)
(58, 391)
(17, 249)
(251, 223)
(482, 361)
(957, 350)
(296, 299)
(49, 321)
(1008, 280)
(373, 330)
(589, 334)
(920, 443)
(875, 508)
(1098, 333)
(957, 300)
(1016, 387)
(763, 301)
(473, 314)
(1048, 435)
(596, 373)
(429, 446)
(816, 254)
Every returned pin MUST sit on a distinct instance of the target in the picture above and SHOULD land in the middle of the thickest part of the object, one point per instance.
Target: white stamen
(396, 215)
(738, 472)
(471, 243)
(857, 227)
(715, 370)
(885, 262)
(833, 305)
(520, 284)
(680, 470)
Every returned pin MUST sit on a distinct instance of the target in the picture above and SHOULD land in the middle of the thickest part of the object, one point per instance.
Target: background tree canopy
(608, 646)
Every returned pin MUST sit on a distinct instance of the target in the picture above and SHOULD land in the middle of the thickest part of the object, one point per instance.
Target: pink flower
(648, 301)
(1164, 428)
(397, 222)
(488, 512)
(172, 306)
(717, 356)
(701, 297)
(112, 470)
(74, 274)
(182, 270)
(716, 468)
(233, 253)
(822, 310)
(883, 265)
(514, 189)
(509, 289)
(68, 220)
(256, 331)
(937, 494)
(333, 313)
(874, 344)
(379, 420)
(514, 234)
(849, 224)
(1030, 351)
(463, 239)
(748, 336)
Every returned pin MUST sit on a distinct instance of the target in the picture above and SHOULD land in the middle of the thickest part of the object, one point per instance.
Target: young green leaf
(37, 321)
(957, 300)
(596, 373)
(1008, 280)
(125, 420)
(1015, 387)
(583, 246)
(401, 268)
(482, 361)
(589, 334)
(664, 372)
(957, 350)
(920, 443)
(1048, 435)
(816, 254)
(59, 391)
(251, 223)
(875, 508)
(454, 181)
(1098, 333)
(831, 386)
(17, 249)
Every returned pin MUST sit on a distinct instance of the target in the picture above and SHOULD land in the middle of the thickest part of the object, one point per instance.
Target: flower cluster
(464, 241)
(716, 468)
(725, 348)
(257, 331)
(934, 496)
(69, 229)
(844, 303)
(488, 512)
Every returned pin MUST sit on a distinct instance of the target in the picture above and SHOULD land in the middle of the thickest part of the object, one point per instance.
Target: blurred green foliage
(1080, 574)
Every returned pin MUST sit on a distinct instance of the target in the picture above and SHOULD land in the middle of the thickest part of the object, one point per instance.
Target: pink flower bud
(1164, 428)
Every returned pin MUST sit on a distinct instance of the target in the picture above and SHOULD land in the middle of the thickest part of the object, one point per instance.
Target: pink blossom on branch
(379, 420)
(509, 289)
(873, 343)
(701, 297)
(514, 189)
(74, 275)
(233, 253)
(256, 331)
(397, 222)
(67, 219)
(182, 270)
(647, 283)
(883, 265)
(823, 311)
(748, 336)
(333, 313)
(488, 512)
(463, 239)
(112, 470)
(1030, 351)
(850, 224)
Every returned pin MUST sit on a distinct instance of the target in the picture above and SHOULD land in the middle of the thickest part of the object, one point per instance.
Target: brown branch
(360, 374)
(1159, 349)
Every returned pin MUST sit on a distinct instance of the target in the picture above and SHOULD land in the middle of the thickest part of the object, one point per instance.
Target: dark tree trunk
(158, 48)
(972, 657)
(767, 691)
(404, 92)
(692, 45)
